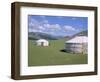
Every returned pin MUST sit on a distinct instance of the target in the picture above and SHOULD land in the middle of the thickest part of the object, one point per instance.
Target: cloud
(69, 28)
(33, 23)
(50, 28)
(41, 27)
(46, 25)
(36, 26)
(45, 21)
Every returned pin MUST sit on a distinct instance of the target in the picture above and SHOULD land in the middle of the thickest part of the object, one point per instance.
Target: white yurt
(78, 44)
(42, 42)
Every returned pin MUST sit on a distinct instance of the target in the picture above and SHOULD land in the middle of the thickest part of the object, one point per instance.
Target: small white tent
(77, 44)
(42, 42)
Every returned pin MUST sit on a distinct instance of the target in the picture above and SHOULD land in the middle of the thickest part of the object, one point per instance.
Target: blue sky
(57, 25)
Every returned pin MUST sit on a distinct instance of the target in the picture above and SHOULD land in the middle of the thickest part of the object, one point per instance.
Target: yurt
(78, 44)
(42, 42)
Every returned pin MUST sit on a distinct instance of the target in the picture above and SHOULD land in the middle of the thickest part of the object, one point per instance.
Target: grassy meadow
(52, 54)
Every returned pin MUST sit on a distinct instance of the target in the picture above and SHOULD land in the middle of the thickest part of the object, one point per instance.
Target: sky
(57, 25)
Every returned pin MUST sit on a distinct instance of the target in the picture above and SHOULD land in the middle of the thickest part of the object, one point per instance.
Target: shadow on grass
(63, 50)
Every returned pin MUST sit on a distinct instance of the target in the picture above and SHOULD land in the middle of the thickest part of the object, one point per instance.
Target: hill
(82, 33)
(39, 35)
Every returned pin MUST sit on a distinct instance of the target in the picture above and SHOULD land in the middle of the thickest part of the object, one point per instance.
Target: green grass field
(51, 55)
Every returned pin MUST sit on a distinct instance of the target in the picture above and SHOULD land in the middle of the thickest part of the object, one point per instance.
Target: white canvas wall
(42, 42)
(78, 44)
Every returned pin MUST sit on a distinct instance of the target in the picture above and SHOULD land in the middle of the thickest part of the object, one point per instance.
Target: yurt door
(42, 43)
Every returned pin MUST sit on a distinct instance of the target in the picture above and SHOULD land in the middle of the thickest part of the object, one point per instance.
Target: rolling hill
(39, 35)
(82, 33)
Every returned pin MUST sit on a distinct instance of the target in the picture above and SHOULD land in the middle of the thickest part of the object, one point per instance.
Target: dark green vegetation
(52, 54)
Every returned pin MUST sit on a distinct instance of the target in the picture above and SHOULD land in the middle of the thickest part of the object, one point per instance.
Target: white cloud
(45, 21)
(52, 26)
(57, 26)
(69, 28)
(33, 30)
(41, 27)
(33, 23)
(45, 27)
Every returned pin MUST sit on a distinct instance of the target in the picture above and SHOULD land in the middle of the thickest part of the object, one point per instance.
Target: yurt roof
(78, 39)
(41, 40)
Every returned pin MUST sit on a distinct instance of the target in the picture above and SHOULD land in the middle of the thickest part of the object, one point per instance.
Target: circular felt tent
(78, 44)
(42, 42)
